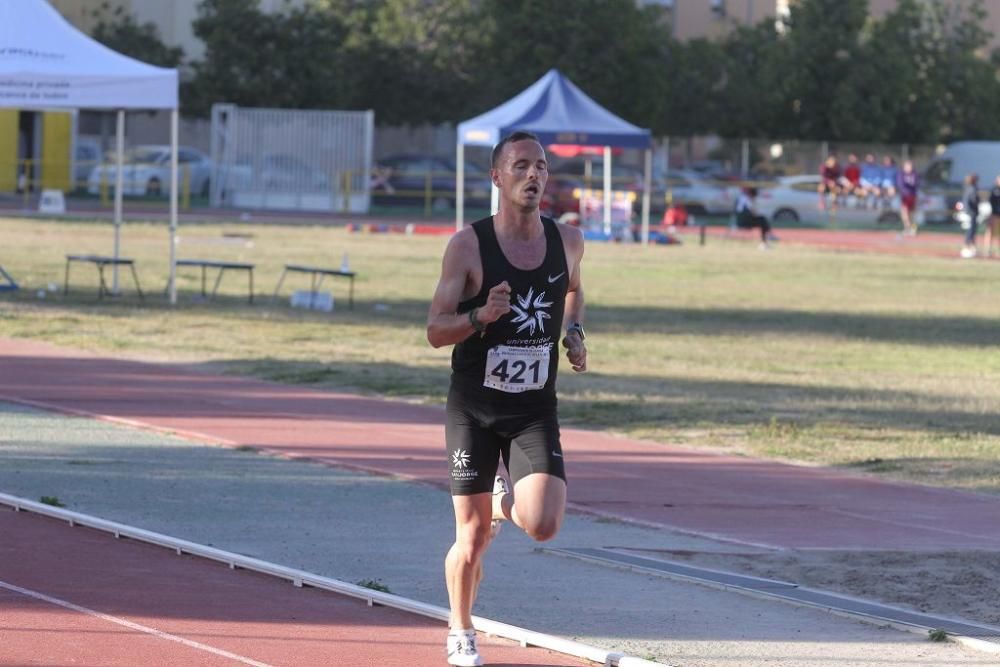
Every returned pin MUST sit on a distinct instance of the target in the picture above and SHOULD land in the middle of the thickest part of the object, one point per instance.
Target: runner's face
(522, 174)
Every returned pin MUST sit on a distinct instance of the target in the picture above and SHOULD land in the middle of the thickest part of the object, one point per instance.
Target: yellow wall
(57, 142)
(8, 149)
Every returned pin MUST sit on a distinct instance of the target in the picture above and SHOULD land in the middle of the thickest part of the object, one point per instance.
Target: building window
(719, 8)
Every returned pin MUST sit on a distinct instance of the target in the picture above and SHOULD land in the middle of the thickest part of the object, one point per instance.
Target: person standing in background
(908, 183)
(970, 200)
(991, 235)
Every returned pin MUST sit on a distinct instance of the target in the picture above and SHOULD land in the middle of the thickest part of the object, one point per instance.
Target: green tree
(820, 48)
(118, 30)
(288, 59)
(410, 60)
(693, 75)
(611, 49)
(924, 79)
(751, 88)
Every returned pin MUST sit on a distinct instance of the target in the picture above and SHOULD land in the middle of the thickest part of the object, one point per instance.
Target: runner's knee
(542, 527)
(472, 541)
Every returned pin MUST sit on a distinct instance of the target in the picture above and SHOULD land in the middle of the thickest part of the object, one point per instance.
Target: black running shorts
(478, 434)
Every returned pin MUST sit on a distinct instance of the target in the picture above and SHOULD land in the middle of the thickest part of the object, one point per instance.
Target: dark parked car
(421, 180)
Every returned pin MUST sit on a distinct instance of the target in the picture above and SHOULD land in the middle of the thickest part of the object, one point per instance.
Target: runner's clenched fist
(576, 351)
(497, 304)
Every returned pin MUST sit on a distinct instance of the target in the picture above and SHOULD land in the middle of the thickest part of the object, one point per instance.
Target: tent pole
(119, 184)
(607, 190)
(494, 194)
(174, 113)
(460, 186)
(646, 186)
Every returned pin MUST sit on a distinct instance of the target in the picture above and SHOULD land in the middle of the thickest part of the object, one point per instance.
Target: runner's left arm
(576, 349)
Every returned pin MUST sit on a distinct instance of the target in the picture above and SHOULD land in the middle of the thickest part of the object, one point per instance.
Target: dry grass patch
(883, 364)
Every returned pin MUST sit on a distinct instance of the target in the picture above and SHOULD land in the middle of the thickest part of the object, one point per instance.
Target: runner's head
(520, 171)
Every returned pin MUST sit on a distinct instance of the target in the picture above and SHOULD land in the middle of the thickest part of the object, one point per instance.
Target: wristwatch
(578, 328)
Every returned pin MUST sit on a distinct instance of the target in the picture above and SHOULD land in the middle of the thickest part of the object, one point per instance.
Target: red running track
(76, 596)
(736, 498)
(882, 241)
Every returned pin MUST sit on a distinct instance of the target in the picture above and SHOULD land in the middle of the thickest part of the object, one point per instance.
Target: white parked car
(86, 156)
(146, 171)
(692, 189)
(796, 198)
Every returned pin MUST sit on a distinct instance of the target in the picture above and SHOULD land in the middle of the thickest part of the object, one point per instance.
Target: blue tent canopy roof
(559, 113)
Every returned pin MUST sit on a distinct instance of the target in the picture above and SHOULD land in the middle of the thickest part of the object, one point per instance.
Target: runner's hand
(576, 351)
(497, 304)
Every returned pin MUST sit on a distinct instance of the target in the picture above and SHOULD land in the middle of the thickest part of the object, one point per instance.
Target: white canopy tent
(47, 64)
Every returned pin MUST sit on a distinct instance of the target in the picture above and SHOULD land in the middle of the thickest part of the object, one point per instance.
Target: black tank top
(517, 359)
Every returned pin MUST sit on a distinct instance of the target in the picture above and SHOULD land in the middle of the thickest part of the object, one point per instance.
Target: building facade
(690, 19)
(173, 18)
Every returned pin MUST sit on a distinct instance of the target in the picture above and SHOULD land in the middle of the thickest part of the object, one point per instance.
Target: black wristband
(477, 326)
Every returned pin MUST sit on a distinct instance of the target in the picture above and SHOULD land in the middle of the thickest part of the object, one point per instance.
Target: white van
(946, 172)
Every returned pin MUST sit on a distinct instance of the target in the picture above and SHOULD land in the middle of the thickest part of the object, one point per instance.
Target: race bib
(517, 369)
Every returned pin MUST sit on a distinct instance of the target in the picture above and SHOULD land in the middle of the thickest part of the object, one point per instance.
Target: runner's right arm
(459, 280)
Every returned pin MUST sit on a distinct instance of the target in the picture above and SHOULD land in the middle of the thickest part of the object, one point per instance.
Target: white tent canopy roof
(46, 63)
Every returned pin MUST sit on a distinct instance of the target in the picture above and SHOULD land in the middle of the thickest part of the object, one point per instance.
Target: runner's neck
(519, 227)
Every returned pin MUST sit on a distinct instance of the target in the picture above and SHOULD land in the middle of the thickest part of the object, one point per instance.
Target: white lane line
(132, 626)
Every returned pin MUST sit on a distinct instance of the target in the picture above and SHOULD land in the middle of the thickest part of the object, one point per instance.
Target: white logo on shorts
(460, 459)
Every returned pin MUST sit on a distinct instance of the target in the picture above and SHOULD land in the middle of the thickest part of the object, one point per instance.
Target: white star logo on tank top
(530, 312)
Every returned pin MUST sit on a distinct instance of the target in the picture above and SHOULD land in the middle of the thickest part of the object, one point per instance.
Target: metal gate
(291, 159)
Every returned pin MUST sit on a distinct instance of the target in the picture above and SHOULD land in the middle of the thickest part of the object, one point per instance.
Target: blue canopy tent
(558, 112)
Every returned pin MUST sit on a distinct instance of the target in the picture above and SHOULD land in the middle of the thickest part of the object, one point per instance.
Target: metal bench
(10, 285)
(317, 275)
(100, 262)
(206, 264)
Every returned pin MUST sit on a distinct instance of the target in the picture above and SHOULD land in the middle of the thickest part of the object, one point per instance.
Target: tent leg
(460, 186)
(119, 186)
(647, 185)
(494, 196)
(174, 113)
(607, 190)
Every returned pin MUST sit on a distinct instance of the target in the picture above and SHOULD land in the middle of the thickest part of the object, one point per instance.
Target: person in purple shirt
(907, 183)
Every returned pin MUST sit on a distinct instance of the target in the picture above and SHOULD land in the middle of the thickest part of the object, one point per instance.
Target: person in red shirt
(829, 183)
(851, 180)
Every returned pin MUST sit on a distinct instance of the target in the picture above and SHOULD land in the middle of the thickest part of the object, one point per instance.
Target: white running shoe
(462, 650)
(500, 487)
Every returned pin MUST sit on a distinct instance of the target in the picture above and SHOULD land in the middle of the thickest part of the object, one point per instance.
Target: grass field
(884, 364)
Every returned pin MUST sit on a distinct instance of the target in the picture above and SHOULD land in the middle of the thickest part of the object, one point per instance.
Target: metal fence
(291, 159)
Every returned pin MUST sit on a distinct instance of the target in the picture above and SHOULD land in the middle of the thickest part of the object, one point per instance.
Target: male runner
(507, 284)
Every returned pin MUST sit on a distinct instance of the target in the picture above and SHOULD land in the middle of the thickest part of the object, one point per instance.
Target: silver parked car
(698, 194)
(796, 198)
(146, 171)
